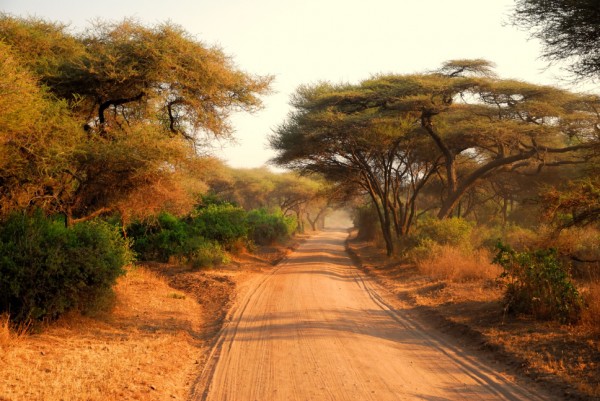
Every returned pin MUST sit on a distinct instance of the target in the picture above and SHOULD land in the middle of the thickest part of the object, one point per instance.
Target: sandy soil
(316, 328)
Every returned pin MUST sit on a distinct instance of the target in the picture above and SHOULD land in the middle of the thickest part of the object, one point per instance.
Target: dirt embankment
(562, 358)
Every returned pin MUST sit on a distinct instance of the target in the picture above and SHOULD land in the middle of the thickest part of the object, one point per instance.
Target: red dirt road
(315, 328)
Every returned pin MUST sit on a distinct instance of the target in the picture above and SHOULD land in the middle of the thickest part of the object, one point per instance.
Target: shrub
(208, 254)
(453, 231)
(266, 228)
(520, 238)
(223, 223)
(47, 269)
(162, 239)
(591, 313)
(432, 233)
(538, 284)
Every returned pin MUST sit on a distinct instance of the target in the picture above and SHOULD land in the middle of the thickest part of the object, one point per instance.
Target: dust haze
(339, 219)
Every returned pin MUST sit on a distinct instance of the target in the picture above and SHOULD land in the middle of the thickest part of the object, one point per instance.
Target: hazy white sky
(305, 41)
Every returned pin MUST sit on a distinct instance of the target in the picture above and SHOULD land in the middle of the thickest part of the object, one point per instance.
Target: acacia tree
(503, 126)
(145, 98)
(38, 136)
(568, 29)
(479, 125)
(331, 135)
(303, 196)
(288, 192)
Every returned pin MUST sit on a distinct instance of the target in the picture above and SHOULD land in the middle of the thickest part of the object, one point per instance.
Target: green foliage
(453, 231)
(266, 228)
(47, 269)
(432, 233)
(203, 238)
(223, 223)
(170, 237)
(538, 283)
(161, 239)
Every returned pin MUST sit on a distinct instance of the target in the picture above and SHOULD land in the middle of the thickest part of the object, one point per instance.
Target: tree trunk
(385, 225)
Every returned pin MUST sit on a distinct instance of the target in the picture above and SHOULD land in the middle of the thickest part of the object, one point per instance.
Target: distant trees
(112, 119)
(306, 198)
(453, 129)
(568, 29)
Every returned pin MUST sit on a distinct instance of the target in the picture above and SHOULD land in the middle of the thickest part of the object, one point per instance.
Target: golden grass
(591, 314)
(9, 333)
(5, 332)
(147, 348)
(451, 263)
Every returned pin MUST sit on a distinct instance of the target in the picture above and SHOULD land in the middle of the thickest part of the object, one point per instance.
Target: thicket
(204, 237)
(446, 249)
(265, 228)
(47, 269)
(224, 223)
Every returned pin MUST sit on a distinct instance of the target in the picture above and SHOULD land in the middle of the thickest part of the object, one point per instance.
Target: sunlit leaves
(111, 119)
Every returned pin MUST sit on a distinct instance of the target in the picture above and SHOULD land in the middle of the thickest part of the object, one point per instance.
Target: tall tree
(479, 126)
(145, 99)
(331, 135)
(568, 29)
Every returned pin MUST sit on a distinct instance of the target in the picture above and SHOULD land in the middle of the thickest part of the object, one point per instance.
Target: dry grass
(147, 348)
(10, 334)
(591, 314)
(5, 331)
(451, 263)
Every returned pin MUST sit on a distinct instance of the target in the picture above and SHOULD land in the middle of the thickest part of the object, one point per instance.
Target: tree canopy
(392, 133)
(112, 119)
(568, 29)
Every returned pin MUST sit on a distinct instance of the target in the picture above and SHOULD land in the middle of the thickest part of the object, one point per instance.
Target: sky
(308, 41)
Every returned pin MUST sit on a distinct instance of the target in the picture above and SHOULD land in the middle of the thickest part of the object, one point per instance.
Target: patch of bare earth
(150, 346)
(565, 359)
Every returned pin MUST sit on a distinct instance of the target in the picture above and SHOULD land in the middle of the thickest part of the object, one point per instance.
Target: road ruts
(314, 329)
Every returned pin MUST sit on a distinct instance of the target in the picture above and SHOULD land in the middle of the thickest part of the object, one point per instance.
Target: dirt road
(315, 329)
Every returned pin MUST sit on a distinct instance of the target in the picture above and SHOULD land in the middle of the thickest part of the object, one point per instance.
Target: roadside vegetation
(104, 160)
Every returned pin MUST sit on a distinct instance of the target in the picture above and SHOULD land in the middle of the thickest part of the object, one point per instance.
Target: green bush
(170, 237)
(538, 284)
(202, 238)
(223, 223)
(266, 228)
(47, 269)
(163, 238)
(453, 231)
(208, 254)
(431, 234)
